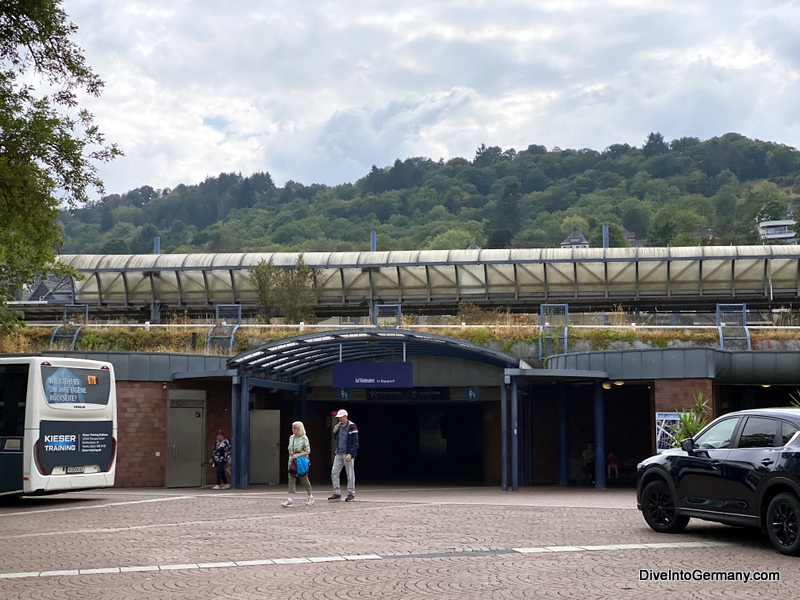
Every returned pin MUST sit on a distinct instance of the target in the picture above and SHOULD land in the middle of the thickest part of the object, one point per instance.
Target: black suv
(741, 469)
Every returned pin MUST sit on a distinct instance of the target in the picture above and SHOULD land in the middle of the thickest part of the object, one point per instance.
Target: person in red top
(345, 432)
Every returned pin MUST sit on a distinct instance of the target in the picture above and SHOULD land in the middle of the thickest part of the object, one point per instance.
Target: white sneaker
(216, 487)
(287, 504)
(227, 486)
(310, 501)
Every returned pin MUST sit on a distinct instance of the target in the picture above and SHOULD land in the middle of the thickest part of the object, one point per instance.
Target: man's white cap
(341, 413)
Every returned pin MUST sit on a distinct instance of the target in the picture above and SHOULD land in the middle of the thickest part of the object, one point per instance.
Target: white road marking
(93, 506)
(324, 559)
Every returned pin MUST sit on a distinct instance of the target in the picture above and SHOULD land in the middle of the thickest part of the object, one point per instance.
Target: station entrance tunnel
(460, 443)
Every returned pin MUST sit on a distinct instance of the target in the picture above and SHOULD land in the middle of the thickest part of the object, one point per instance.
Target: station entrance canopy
(287, 363)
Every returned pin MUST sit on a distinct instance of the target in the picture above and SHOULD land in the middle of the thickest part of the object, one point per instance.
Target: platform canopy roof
(292, 359)
(438, 281)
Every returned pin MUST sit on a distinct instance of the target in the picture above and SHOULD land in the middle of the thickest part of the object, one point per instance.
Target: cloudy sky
(319, 91)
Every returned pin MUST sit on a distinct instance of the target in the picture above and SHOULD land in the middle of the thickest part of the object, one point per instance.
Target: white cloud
(318, 92)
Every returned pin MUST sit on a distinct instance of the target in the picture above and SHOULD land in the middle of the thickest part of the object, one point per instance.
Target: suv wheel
(783, 523)
(658, 508)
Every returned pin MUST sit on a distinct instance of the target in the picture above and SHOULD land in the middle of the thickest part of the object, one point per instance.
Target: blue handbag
(301, 464)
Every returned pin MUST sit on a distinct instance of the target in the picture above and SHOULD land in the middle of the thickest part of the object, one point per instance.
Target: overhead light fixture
(619, 383)
(766, 385)
(606, 385)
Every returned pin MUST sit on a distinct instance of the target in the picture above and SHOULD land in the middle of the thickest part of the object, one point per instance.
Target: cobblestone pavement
(393, 542)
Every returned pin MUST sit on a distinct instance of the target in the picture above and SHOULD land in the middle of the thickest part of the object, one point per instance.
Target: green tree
(288, 292)
(455, 239)
(144, 240)
(654, 145)
(574, 223)
(500, 238)
(616, 239)
(266, 279)
(753, 201)
(773, 210)
(296, 293)
(671, 226)
(506, 215)
(48, 146)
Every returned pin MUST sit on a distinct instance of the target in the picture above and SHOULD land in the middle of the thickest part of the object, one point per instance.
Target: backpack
(301, 464)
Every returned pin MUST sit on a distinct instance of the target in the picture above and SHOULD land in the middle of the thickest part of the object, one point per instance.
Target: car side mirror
(687, 445)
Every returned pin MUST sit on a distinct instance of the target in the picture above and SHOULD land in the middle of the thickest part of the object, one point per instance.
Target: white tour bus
(58, 424)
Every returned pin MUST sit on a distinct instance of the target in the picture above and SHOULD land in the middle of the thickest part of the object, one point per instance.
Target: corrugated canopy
(292, 359)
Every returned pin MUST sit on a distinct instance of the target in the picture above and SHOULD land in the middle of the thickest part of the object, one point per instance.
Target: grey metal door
(265, 446)
(185, 457)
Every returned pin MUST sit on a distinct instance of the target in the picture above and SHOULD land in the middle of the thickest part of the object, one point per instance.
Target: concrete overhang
(204, 374)
(557, 375)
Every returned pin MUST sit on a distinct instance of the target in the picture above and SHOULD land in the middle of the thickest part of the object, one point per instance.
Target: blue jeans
(349, 469)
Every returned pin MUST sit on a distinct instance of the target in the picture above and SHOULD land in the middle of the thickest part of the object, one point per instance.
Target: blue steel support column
(514, 436)
(237, 382)
(599, 438)
(563, 445)
(504, 435)
(242, 443)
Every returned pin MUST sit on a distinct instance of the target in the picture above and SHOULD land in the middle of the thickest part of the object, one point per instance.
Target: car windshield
(717, 436)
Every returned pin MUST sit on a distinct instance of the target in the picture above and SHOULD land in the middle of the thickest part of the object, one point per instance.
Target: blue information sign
(372, 375)
(344, 394)
(472, 393)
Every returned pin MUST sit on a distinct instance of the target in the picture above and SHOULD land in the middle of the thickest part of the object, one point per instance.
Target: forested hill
(680, 193)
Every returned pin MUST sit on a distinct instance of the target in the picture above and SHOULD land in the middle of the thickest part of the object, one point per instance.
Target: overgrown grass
(180, 339)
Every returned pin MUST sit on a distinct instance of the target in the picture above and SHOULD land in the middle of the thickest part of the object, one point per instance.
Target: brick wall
(672, 395)
(678, 394)
(142, 423)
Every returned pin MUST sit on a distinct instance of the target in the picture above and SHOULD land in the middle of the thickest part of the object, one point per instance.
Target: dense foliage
(289, 293)
(48, 146)
(684, 192)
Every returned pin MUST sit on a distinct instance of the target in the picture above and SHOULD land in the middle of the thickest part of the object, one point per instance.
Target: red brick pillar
(677, 395)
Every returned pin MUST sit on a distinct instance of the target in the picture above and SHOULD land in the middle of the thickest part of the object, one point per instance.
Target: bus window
(13, 391)
(64, 385)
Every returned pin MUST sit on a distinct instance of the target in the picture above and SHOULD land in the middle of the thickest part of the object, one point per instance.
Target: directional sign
(472, 393)
(424, 394)
(372, 375)
(344, 394)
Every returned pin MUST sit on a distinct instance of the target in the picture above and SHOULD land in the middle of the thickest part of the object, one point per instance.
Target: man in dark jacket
(345, 432)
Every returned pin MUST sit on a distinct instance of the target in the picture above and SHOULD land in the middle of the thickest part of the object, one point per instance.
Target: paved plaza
(393, 542)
